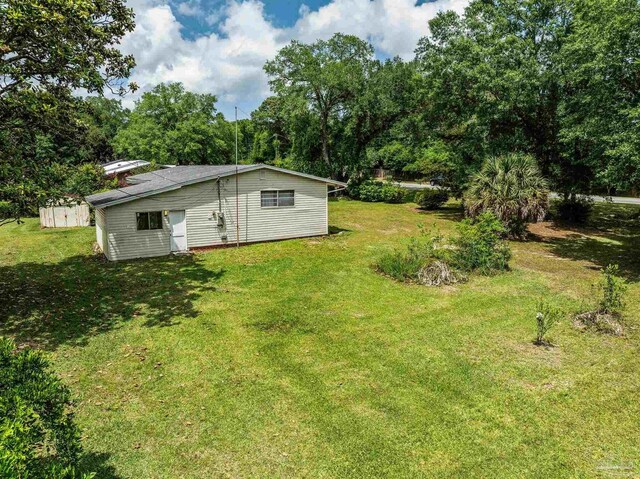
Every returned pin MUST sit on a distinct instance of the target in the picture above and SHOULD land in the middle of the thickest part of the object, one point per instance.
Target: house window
(285, 198)
(270, 199)
(149, 220)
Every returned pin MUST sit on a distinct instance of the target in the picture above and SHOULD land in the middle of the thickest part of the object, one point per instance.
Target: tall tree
(172, 125)
(48, 49)
(336, 100)
(492, 76)
(392, 92)
(271, 140)
(555, 78)
(601, 112)
(319, 79)
(101, 119)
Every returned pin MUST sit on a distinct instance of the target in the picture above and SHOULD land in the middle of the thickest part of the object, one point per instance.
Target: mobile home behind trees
(185, 207)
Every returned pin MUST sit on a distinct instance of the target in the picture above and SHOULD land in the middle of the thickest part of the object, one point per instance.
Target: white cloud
(392, 26)
(229, 62)
(190, 9)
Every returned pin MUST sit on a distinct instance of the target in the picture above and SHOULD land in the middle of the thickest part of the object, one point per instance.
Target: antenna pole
(237, 197)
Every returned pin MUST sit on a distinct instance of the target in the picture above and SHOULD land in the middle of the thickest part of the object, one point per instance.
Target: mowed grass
(296, 359)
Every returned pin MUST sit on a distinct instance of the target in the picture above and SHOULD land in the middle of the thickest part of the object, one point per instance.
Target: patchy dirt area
(601, 322)
(548, 230)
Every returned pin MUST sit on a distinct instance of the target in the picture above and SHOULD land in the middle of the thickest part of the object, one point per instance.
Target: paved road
(626, 200)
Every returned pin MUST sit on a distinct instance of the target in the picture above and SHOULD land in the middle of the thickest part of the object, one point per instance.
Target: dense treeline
(556, 79)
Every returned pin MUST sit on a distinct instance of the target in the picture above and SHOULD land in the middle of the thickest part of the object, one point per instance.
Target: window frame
(277, 199)
(148, 216)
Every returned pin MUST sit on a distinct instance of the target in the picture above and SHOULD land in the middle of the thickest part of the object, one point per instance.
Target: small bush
(607, 317)
(376, 191)
(479, 245)
(431, 199)
(546, 317)
(613, 289)
(403, 265)
(575, 210)
(398, 265)
(38, 438)
(410, 196)
(432, 261)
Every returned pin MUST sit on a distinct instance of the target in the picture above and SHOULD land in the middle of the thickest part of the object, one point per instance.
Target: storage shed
(185, 207)
(65, 215)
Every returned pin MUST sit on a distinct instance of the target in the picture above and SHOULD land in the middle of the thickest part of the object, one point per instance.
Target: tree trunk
(324, 120)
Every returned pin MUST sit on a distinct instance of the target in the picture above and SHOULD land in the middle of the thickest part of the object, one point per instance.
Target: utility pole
(237, 197)
(276, 143)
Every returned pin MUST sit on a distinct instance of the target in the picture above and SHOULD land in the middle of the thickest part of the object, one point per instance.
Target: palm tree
(511, 187)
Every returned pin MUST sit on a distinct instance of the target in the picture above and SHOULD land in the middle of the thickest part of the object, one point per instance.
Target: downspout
(219, 199)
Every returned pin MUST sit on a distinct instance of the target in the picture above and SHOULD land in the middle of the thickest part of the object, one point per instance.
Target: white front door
(178, 223)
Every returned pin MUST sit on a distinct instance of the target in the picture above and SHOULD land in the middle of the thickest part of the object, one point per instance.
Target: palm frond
(513, 188)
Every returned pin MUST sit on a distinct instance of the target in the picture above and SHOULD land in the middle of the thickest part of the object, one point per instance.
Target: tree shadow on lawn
(603, 241)
(97, 463)
(453, 213)
(50, 304)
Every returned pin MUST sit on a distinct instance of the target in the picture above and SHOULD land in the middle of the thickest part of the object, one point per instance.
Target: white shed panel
(65, 216)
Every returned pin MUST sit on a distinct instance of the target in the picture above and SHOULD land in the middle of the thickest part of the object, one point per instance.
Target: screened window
(149, 220)
(269, 198)
(285, 198)
(276, 198)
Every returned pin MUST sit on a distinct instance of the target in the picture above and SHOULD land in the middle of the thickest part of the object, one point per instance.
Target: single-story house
(185, 207)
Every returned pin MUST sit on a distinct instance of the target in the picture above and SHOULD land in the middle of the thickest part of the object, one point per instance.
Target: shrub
(376, 191)
(88, 178)
(546, 317)
(38, 438)
(410, 196)
(613, 289)
(393, 156)
(479, 245)
(430, 260)
(575, 209)
(406, 264)
(512, 188)
(606, 318)
(431, 199)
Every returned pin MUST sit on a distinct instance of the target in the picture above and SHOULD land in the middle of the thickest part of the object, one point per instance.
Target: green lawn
(295, 359)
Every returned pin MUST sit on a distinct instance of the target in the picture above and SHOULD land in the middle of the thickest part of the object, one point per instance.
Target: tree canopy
(336, 98)
(48, 50)
(554, 78)
(170, 125)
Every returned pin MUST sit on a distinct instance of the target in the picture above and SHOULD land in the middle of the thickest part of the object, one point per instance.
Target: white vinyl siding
(101, 230)
(308, 216)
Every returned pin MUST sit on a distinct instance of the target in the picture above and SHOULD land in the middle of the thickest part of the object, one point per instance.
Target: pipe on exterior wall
(219, 198)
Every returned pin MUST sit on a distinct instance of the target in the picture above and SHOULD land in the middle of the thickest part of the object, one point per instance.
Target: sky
(220, 46)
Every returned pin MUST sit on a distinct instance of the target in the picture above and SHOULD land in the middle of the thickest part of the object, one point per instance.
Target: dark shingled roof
(147, 184)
